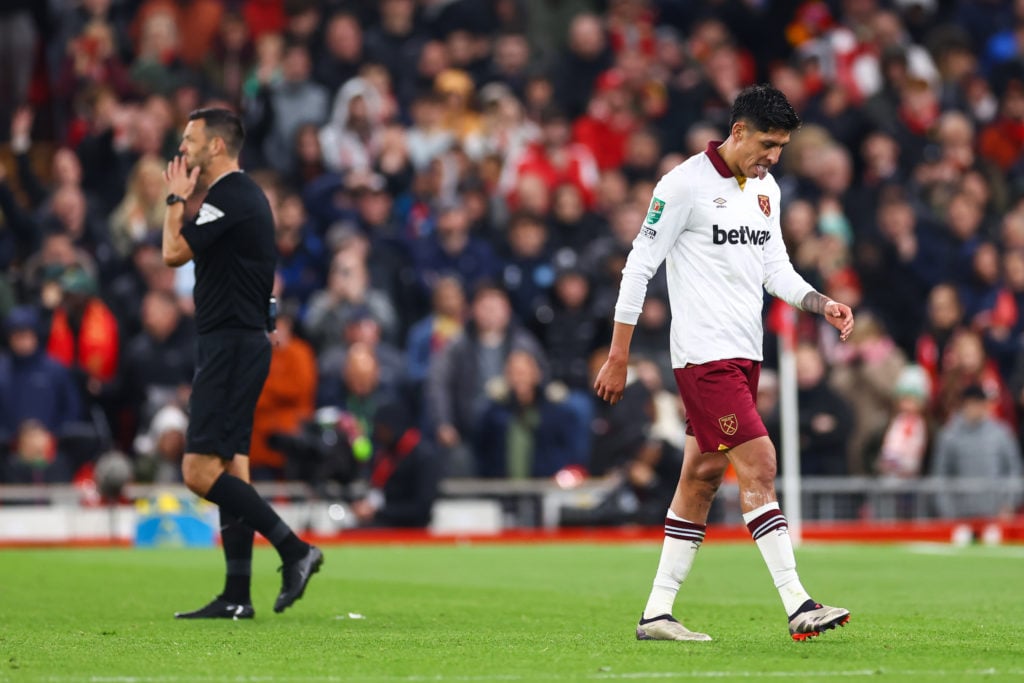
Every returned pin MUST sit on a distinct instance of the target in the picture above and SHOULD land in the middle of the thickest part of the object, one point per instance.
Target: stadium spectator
(396, 43)
(288, 397)
(944, 318)
(864, 372)
(975, 445)
(586, 57)
(527, 271)
(904, 447)
(362, 327)
(140, 215)
(356, 392)
(161, 446)
(404, 472)
(455, 392)
(83, 333)
(570, 328)
(340, 54)
(826, 419)
(66, 168)
(968, 364)
(348, 290)
(527, 428)
(282, 105)
(453, 249)
(34, 458)
(156, 369)
(555, 158)
(226, 66)
(572, 226)
(33, 386)
(429, 336)
(428, 137)
(301, 254)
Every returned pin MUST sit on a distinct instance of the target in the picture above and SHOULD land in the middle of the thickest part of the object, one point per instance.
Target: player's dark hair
(223, 124)
(765, 108)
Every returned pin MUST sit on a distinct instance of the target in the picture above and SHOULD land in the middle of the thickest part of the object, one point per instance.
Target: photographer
(390, 477)
(404, 473)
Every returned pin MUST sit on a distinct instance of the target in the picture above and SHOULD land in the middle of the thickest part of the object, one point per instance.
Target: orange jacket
(288, 399)
(96, 348)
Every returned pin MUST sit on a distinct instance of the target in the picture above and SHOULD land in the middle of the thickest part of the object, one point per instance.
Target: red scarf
(390, 460)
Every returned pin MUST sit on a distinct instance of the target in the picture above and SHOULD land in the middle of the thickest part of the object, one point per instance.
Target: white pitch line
(921, 674)
(988, 552)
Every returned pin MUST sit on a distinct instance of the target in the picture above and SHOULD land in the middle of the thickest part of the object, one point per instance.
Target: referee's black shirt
(232, 242)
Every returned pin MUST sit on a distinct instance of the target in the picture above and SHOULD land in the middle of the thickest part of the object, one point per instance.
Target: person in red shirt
(83, 332)
(556, 159)
(609, 120)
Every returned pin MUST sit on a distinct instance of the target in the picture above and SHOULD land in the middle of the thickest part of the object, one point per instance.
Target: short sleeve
(206, 228)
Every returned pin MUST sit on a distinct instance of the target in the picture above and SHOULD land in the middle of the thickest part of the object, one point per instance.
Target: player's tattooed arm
(815, 302)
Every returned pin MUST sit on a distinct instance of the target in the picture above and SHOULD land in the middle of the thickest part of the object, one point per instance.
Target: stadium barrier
(835, 508)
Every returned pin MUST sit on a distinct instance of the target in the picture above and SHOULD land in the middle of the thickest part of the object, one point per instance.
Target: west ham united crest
(765, 204)
(729, 423)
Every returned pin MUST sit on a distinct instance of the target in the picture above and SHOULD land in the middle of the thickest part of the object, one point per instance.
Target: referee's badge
(729, 423)
(765, 204)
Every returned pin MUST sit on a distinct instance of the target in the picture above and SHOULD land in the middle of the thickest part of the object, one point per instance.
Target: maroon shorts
(719, 397)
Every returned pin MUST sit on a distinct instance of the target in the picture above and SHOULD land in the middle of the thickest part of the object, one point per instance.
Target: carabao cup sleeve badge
(654, 213)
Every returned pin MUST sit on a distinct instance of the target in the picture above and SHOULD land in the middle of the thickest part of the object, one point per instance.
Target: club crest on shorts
(765, 204)
(729, 424)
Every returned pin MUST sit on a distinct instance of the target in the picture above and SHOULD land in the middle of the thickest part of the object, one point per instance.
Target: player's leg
(685, 525)
(685, 521)
(236, 539)
(229, 378)
(755, 465)
(299, 559)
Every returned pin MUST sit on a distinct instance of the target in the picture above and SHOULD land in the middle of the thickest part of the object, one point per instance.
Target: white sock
(771, 533)
(682, 541)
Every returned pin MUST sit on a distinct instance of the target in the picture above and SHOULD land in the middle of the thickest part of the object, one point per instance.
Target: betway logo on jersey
(741, 235)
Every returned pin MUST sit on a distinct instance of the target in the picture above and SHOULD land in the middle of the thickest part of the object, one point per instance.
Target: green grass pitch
(480, 612)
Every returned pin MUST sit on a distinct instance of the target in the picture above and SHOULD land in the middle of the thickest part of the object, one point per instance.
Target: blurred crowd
(456, 184)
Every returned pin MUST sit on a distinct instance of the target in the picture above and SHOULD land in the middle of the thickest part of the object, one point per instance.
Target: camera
(322, 453)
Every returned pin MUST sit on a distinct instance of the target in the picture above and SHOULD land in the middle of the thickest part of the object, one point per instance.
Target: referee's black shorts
(231, 366)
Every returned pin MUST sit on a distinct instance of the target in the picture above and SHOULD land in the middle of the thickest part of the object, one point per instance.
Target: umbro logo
(208, 213)
(720, 202)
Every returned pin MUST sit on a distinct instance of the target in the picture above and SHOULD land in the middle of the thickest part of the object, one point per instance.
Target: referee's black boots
(295, 575)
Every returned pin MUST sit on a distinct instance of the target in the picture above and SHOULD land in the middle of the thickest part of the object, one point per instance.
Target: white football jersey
(723, 245)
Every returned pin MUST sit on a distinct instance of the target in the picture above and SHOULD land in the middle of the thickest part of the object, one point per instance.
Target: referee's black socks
(236, 539)
(241, 500)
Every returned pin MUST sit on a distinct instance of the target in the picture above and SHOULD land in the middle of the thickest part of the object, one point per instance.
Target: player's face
(195, 145)
(759, 150)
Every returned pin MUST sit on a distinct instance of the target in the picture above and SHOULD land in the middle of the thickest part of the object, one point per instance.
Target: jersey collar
(222, 176)
(716, 159)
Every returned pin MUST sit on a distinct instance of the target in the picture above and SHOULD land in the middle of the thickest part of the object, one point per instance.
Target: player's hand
(840, 316)
(611, 380)
(178, 178)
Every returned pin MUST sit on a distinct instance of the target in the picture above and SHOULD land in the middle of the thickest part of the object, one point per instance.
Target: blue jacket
(559, 439)
(36, 388)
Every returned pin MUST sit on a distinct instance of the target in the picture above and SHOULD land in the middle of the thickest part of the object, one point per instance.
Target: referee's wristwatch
(174, 198)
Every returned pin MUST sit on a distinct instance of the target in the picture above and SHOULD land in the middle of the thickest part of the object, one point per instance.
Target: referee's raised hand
(179, 179)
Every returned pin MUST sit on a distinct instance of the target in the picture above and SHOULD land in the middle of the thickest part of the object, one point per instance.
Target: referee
(231, 241)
